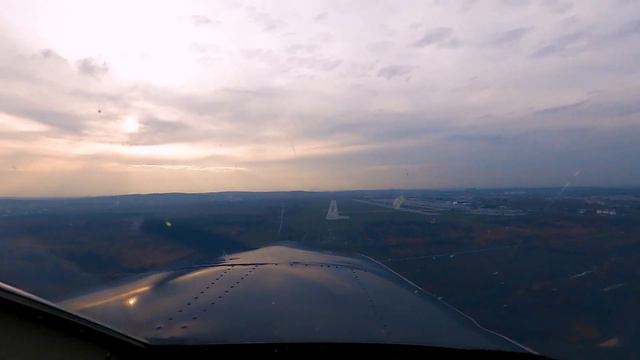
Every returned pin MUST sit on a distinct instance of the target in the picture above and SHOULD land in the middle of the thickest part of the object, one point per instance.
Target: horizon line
(55, 197)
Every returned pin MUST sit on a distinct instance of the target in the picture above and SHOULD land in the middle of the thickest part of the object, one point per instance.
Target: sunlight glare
(130, 125)
(132, 301)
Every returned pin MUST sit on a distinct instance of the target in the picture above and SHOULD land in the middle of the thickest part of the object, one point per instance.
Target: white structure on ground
(333, 213)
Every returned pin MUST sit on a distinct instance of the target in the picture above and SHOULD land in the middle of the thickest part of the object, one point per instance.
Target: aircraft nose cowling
(284, 294)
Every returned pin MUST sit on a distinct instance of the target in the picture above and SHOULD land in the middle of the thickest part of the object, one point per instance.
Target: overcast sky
(106, 97)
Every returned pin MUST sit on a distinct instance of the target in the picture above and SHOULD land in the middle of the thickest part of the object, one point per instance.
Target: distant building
(397, 202)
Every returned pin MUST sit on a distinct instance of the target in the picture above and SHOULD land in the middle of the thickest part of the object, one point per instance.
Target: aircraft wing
(284, 294)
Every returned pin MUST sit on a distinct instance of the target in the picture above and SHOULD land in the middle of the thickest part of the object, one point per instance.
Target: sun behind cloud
(130, 124)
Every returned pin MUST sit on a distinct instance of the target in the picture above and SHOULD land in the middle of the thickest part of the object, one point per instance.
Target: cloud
(596, 109)
(256, 53)
(515, 3)
(561, 108)
(266, 21)
(392, 71)
(92, 67)
(467, 5)
(631, 28)
(564, 45)
(440, 36)
(201, 20)
(265, 82)
(558, 6)
(314, 63)
(48, 54)
(302, 48)
(154, 132)
(50, 115)
(511, 37)
(321, 16)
